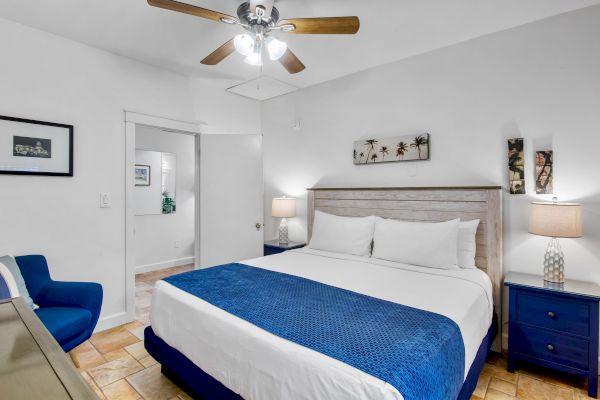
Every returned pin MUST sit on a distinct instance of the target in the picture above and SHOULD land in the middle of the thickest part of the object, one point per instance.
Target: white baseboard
(140, 269)
(111, 321)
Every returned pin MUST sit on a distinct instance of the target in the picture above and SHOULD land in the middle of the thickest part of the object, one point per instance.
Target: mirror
(155, 183)
(169, 168)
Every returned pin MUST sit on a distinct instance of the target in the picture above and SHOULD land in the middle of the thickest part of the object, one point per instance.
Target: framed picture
(394, 149)
(516, 166)
(29, 147)
(142, 175)
(544, 180)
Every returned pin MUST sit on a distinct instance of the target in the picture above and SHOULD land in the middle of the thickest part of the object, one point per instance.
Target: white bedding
(261, 366)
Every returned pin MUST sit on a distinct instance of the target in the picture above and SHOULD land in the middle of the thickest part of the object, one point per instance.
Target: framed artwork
(516, 166)
(394, 149)
(29, 147)
(544, 180)
(142, 175)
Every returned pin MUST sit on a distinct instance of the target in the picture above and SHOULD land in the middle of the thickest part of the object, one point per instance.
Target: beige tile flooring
(115, 363)
(117, 366)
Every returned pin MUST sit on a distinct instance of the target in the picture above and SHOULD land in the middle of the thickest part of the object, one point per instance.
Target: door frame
(132, 119)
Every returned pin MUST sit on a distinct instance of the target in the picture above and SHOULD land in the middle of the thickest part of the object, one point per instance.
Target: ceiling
(390, 30)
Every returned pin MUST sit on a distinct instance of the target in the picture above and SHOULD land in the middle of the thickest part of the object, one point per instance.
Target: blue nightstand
(274, 247)
(555, 326)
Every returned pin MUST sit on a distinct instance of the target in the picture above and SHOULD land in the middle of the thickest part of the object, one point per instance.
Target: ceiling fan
(260, 18)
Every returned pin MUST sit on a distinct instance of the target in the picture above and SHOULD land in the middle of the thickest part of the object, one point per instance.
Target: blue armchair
(69, 310)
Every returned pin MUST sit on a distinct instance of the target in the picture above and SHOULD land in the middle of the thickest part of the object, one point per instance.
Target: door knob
(258, 226)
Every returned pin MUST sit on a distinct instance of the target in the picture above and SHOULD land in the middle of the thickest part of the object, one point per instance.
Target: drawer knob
(551, 314)
(550, 347)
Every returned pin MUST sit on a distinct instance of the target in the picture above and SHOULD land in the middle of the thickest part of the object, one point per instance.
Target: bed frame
(431, 204)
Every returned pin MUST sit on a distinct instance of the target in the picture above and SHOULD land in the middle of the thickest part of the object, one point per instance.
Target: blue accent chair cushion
(64, 322)
(69, 310)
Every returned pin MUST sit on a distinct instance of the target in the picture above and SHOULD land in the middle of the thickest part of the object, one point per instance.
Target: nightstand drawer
(551, 346)
(561, 314)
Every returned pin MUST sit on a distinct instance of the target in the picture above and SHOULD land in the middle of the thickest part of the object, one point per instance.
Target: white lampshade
(283, 207)
(254, 59)
(244, 44)
(561, 220)
(276, 48)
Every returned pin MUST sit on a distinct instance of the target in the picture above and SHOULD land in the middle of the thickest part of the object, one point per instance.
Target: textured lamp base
(283, 232)
(554, 263)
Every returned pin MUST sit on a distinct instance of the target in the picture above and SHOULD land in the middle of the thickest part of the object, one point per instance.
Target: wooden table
(32, 364)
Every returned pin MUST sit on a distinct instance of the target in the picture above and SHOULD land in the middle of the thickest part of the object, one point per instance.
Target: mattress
(261, 366)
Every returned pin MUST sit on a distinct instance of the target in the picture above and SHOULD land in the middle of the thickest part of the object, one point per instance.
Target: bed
(214, 354)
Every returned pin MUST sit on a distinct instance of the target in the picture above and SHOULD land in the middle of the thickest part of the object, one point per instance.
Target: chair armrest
(71, 294)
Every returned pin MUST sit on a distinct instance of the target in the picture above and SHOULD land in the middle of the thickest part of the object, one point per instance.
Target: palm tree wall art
(516, 166)
(393, 149)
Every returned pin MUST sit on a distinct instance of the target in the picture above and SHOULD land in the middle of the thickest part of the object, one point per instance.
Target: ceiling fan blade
(291, 62)
(267, 4)
(323, 26)
(219, 54)
(191, 10)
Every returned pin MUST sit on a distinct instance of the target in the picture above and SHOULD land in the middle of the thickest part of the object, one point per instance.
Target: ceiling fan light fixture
(244, 44)
(276, 48)
(254, 59)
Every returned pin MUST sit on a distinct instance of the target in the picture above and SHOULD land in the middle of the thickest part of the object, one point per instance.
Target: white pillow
(347, 235)
(8, 285)
(467, 244)
(427, 244)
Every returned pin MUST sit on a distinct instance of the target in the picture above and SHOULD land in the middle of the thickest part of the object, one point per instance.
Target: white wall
(237, 116)
(540, 81)
(162, 241)
(49, 78)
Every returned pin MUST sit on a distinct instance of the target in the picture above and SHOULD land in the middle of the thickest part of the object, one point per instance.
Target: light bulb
(244, 44)
(254, 59)
(276, 48)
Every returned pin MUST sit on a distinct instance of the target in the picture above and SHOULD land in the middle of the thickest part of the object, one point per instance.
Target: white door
(231, 198)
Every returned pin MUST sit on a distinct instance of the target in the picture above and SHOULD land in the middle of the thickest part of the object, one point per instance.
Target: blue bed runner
(420, 353)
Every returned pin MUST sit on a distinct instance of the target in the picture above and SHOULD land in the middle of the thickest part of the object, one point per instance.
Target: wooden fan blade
(190, 9)
(324, 26)
(291, 62)
(219, 54)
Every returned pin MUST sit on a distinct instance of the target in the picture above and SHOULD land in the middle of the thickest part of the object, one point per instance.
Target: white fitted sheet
(261, 366)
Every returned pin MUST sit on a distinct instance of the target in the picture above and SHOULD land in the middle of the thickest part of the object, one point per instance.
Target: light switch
(105, 200)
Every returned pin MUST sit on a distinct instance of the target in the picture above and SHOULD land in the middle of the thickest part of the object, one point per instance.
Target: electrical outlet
(177, 244)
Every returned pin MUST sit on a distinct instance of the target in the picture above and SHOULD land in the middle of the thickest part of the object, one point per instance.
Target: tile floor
(117, 366)
(115, 363)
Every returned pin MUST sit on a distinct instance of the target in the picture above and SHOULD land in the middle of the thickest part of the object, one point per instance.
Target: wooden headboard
(428, 204)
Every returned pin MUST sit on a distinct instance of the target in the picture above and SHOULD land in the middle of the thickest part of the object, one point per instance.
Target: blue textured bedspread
(418, 352)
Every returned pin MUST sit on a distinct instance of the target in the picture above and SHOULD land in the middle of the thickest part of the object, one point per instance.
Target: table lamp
(283, 207)
(555, 220)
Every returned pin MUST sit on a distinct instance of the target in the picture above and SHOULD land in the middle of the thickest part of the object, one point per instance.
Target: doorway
(162, 202)
(228, 211)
